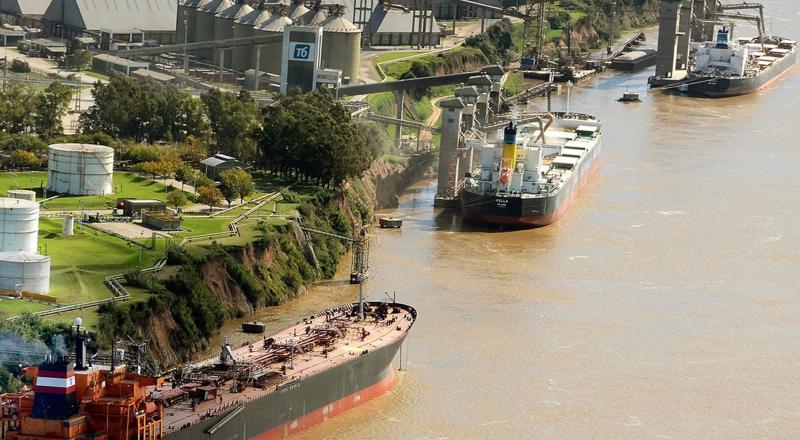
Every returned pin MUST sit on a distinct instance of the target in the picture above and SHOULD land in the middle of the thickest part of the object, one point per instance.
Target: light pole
(185, 41)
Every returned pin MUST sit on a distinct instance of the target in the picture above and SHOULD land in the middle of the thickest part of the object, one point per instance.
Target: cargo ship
(270, 389)
(532, 176)
(727, 67)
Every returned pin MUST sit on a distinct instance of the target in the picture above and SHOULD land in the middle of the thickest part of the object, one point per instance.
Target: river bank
(205, 288)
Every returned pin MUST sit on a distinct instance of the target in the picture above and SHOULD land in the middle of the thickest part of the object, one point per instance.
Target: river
(663, 305)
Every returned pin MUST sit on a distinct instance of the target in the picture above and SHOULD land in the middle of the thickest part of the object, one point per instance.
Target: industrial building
(162, 221)
(26, 13)
(131, 22)
(80, 169)
(212, 166)
(135, 207)
(108, 64)
(395, 27)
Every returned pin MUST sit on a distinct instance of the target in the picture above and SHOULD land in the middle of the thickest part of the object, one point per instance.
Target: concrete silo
(341, 44)
(185, 25)
(80, 169)
(24, 271)
(224, 26)
(19, 225)
(296, 10)
(315, 17)
(204, 23)
(243, 27)
(271, 53)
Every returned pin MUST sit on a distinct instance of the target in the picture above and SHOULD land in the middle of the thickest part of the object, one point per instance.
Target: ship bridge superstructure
(533, 159)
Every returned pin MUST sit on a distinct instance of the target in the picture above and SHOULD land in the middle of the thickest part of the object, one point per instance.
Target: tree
(209, 195)
(184, 174)
(233, 119)
(50, 106)
(153, 168)
(144, 111)
(23, 142)
(235, 183)
(24, 159)
(312, 137)
(177, 199)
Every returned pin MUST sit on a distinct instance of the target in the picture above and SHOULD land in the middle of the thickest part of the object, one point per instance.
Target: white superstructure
(80, 169)
(19, 225)
(24, 271)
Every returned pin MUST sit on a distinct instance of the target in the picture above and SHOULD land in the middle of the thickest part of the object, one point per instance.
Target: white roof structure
(115, 15)
(24, 7)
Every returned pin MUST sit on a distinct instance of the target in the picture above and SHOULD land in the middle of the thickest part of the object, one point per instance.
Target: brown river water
(663, 305)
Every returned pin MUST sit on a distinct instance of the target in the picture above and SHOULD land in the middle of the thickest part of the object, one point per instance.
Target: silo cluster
(21, 267)
(80, 169)
(209, 20)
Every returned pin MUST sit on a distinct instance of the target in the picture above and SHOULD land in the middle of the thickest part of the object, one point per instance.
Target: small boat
(253, 327)
(390, 222)
(629, 97)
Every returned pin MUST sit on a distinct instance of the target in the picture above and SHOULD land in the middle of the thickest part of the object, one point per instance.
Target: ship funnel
(55, 397)
(509, 146)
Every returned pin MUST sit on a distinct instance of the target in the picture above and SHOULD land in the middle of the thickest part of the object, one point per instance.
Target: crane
(359, 267)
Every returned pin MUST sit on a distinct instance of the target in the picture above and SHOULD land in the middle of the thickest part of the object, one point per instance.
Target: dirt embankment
(271, 270)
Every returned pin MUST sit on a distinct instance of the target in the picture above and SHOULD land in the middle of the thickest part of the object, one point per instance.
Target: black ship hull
(722, 87)
(530, 212)
(303, 402)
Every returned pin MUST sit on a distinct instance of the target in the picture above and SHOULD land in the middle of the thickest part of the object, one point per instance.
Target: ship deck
(350, 344)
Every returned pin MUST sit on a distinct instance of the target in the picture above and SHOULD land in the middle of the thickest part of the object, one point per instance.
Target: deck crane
(359, 267)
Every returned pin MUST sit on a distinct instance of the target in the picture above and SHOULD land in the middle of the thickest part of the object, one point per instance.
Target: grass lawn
(202, 225)
(13, 307)
(80, 263)
(125, 185)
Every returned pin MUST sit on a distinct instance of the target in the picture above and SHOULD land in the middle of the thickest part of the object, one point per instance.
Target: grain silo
(224, 25)
(24, 271)
(185, 21)
(206, 14)
(341, 44)
(315, 17)
(296, 10)
(19, 225)
(271, 53)
(80, 169)
(25, 194)
(243, 27)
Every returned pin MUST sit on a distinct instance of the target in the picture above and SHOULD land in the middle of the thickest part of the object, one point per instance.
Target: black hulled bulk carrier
(532, 177)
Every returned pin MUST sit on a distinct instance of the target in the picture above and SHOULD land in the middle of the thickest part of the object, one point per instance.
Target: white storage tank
(24, 194)
(24, 271)
(19, 225)
(80, 169)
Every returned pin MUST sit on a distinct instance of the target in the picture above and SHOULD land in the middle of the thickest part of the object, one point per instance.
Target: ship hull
(722, 87)
(530, 212)
(303, 403)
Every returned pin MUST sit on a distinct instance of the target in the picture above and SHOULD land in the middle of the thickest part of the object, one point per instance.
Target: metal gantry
(359, 268)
